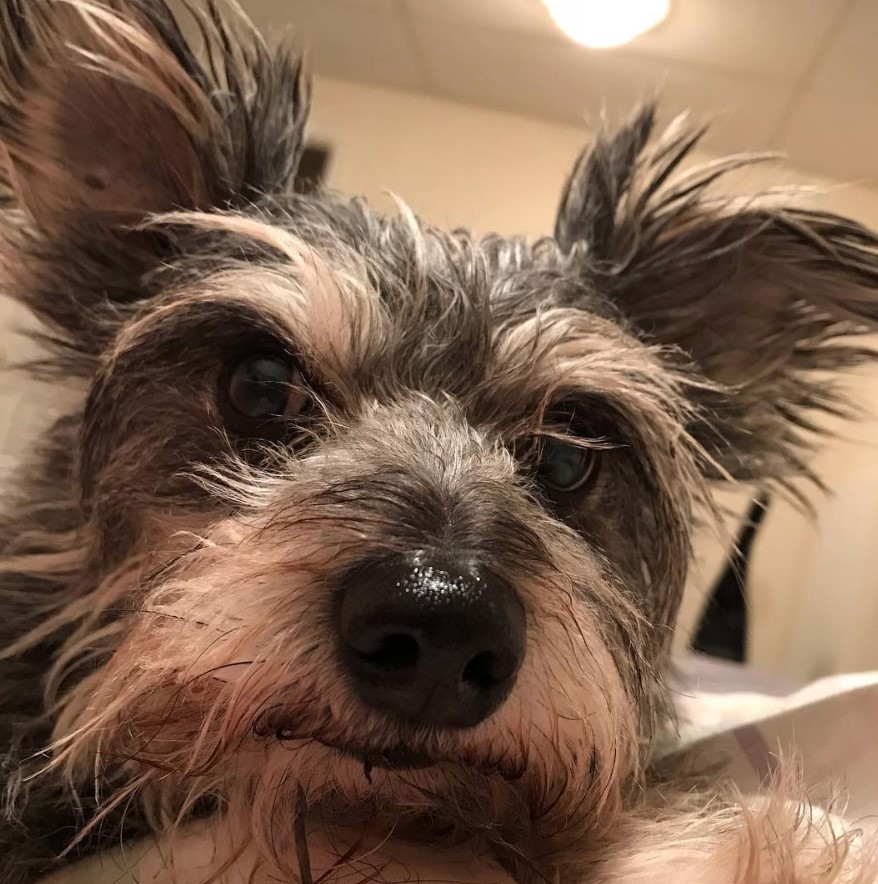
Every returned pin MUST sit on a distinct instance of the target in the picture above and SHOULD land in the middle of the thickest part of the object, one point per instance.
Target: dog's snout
(430, 641)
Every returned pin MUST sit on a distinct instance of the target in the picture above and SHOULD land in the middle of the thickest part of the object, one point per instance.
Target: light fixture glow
(601, 24)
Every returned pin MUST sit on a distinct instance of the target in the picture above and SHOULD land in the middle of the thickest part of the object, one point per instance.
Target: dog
(363, 544)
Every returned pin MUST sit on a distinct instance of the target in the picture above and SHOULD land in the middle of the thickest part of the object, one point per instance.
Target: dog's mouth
(391, 758)
(396, 758)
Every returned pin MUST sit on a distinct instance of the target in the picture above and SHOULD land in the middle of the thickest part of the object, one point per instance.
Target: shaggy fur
(167, 649)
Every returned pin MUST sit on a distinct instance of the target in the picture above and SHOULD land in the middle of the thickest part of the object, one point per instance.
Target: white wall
(458, 164)
(455, 164)
(25, 406)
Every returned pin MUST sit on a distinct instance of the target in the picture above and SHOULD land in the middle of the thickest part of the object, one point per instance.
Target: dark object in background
(723, 629)
(313, 168)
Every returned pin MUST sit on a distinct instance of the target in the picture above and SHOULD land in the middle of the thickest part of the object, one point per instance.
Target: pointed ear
(106, 113)
(764, 300)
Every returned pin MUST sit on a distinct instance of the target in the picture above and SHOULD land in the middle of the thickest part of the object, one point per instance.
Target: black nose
(429, 641)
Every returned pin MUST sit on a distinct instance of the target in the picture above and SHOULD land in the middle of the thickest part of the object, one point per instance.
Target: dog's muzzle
(430, 641)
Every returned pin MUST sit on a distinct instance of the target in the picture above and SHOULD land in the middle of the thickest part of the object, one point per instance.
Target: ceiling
(797, 77)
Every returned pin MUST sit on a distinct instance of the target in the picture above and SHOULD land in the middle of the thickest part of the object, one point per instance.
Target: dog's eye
(261, 387)
(564, 467)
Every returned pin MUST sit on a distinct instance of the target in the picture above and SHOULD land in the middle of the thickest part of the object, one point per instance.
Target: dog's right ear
(106, 115)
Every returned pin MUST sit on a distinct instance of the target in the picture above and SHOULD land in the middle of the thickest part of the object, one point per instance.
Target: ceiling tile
(771, 39)
(354, 39)
(548, 78)
(834, 125)
(384, 5)
(746, 36)
(521, 15)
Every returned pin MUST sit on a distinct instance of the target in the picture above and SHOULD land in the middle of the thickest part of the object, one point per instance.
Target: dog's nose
(430, 641)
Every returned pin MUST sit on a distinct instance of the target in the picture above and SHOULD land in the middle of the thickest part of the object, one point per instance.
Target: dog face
(377, 519)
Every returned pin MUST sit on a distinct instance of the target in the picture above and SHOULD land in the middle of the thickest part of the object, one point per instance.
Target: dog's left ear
(107, 116)
(760, 298)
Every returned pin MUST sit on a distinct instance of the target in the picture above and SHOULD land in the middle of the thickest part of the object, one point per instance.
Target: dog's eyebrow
(326, 312)
(295, 250)
(196, 312)
(565, 351)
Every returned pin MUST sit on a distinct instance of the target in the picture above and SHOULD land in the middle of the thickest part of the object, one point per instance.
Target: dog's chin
(378, 788)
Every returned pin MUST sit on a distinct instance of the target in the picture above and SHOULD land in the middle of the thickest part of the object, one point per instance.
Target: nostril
(485, 671)
(394, 652)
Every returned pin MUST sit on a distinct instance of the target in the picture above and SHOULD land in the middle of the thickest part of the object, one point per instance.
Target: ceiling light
(604, 23)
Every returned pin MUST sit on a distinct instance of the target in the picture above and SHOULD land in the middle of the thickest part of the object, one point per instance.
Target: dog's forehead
(382, 306)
